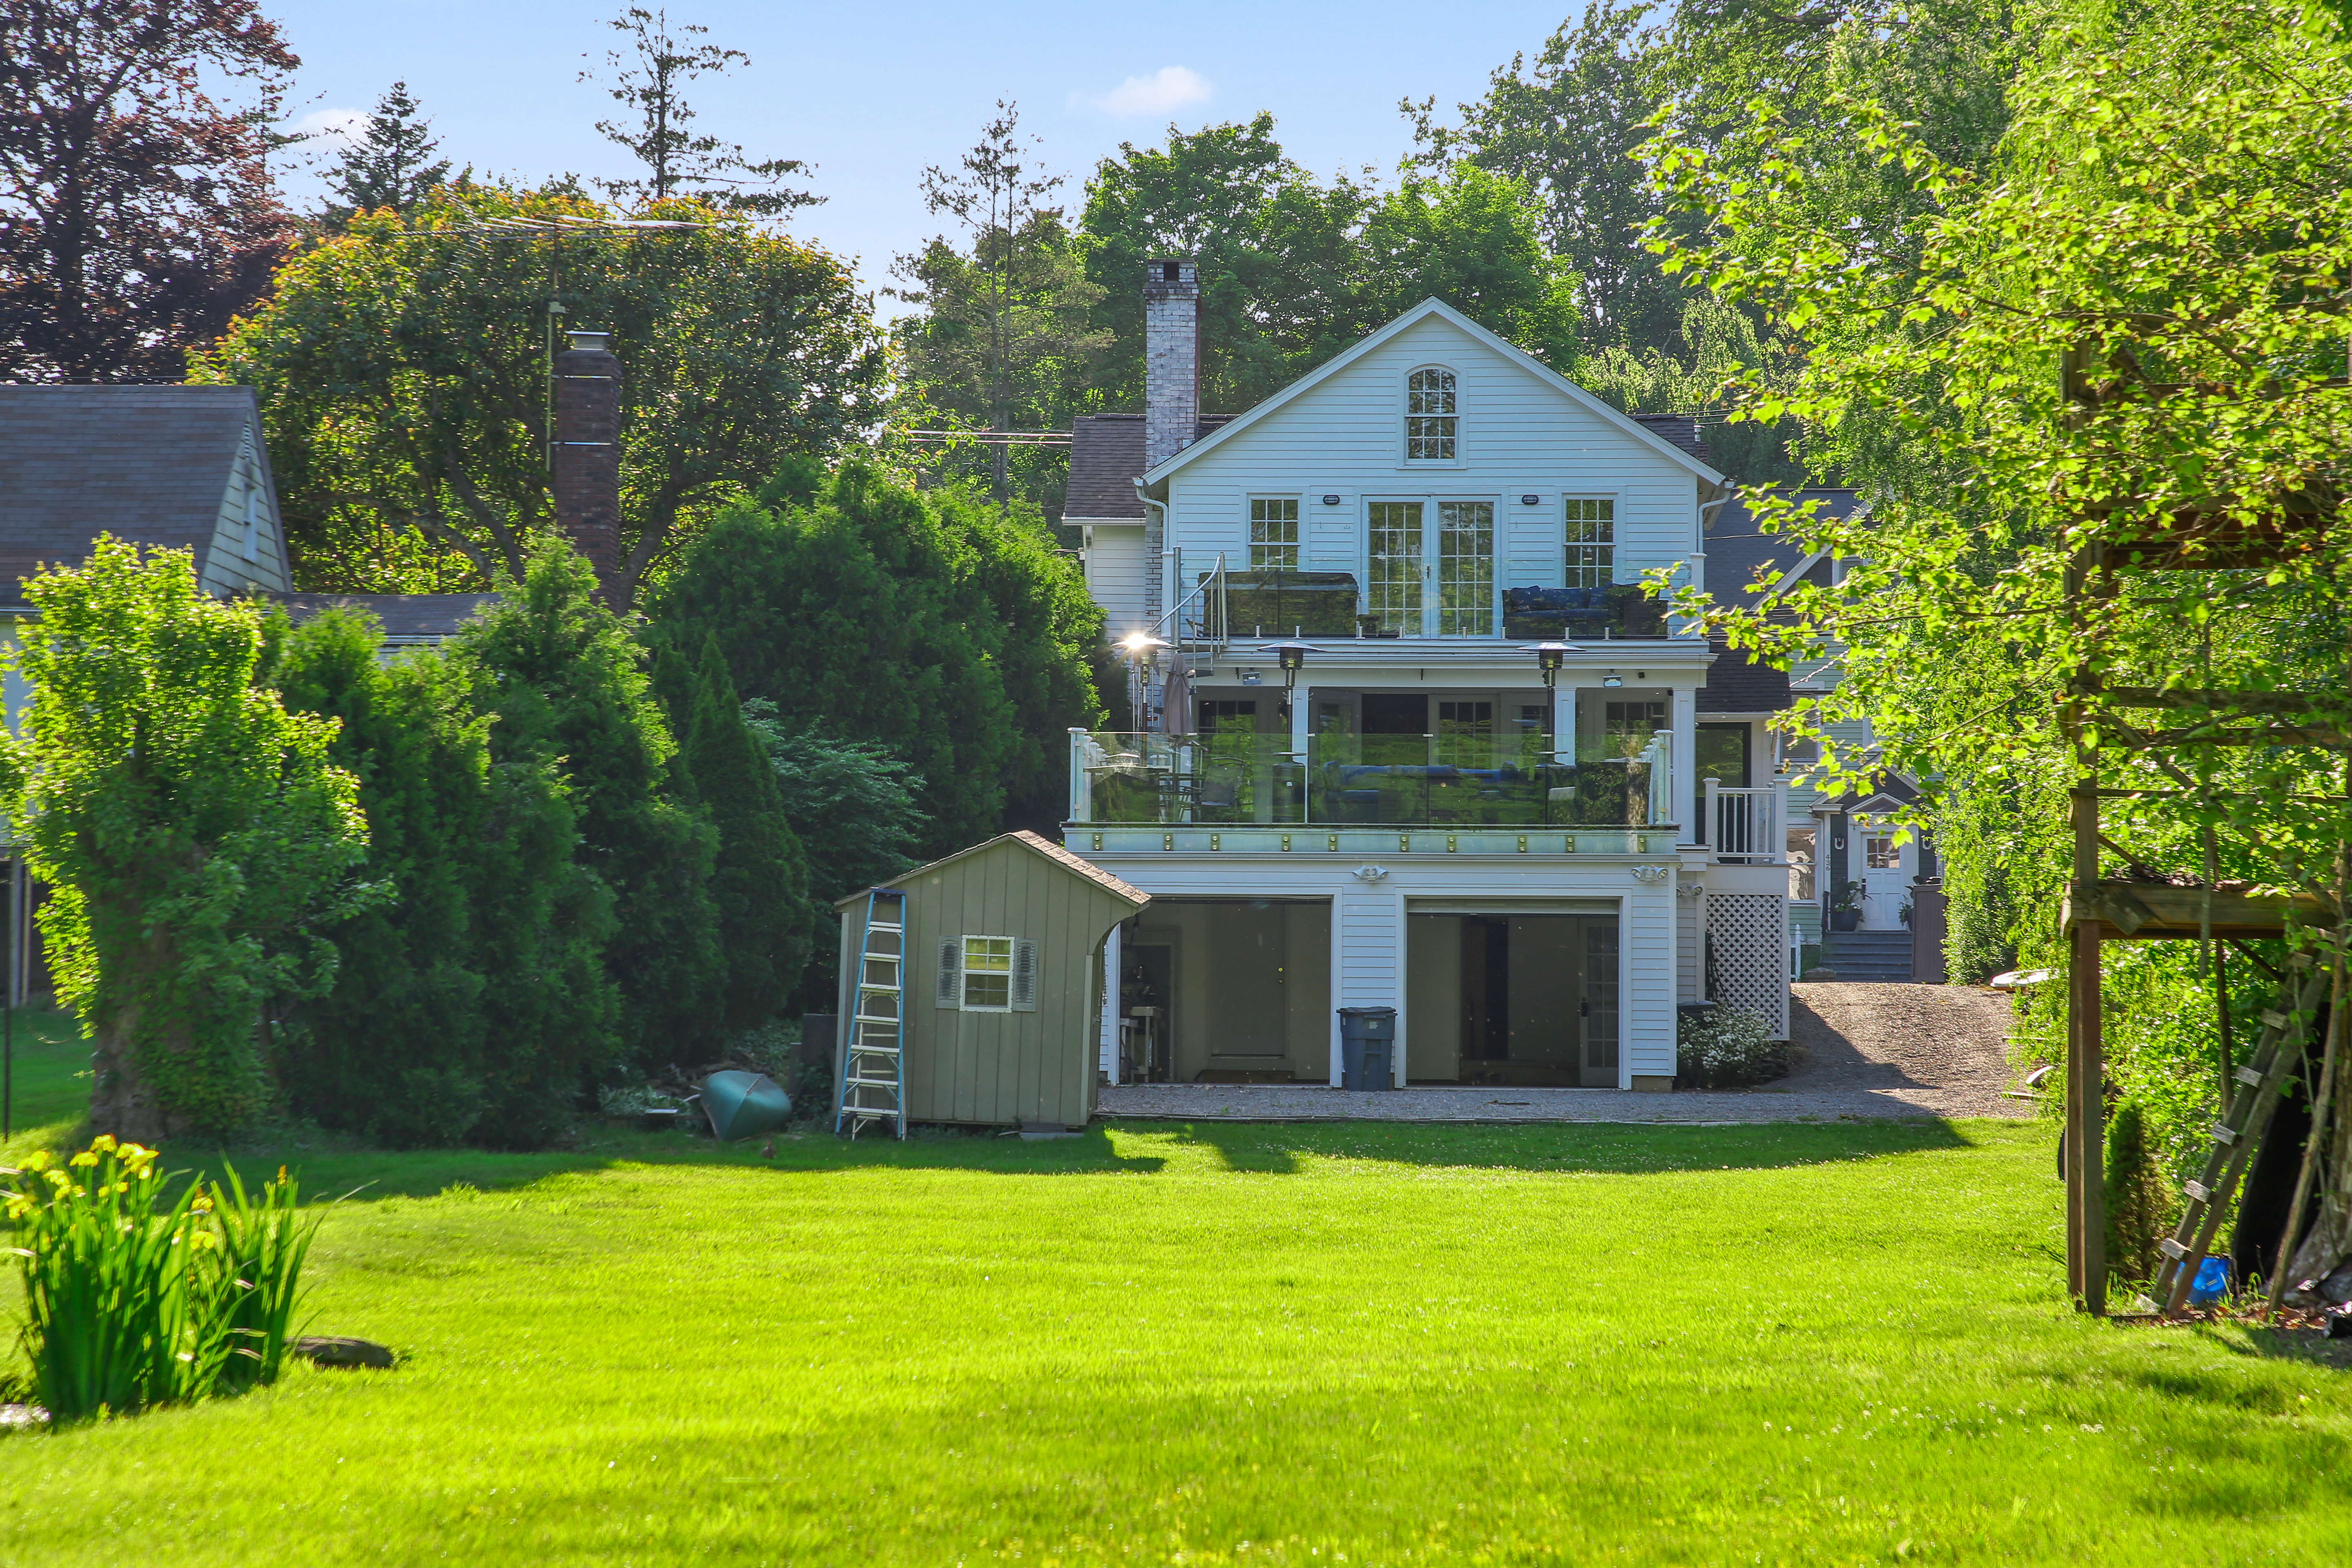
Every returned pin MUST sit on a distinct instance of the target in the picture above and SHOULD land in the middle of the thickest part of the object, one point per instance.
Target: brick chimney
(1171, 358)
(588, 455)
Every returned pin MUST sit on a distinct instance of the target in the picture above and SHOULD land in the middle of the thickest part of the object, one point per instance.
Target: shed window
(989, 974)
(1431, 419)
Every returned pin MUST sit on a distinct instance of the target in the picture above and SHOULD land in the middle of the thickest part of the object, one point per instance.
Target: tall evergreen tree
(389, 164)
(760, 884)
(565, 681)
(925, 621)
(649, 83)
(472, 1003)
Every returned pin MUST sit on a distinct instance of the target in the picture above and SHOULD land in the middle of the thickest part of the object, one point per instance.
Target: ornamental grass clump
(134, 1298)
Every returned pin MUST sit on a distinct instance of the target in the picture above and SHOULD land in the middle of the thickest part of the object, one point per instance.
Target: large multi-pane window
(1465, 568)
(1274, 536)
(1431, 419)
(1592, 543)
(1466, 734)
(1393, 592)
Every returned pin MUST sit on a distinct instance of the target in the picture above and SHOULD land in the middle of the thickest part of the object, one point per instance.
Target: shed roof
(1077, 866)
(1736, 552)
(145, 463)
(1106, 459)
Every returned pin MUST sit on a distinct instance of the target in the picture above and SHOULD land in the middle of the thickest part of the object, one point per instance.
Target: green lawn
(1839, 1343)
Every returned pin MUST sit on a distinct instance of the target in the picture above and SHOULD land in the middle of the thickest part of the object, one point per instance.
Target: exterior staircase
(1881, 956)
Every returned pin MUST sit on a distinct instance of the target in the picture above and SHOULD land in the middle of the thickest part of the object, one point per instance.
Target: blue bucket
(2213, 1282)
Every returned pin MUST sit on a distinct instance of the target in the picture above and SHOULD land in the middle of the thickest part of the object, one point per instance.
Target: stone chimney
(588, 455)
(1171, 358)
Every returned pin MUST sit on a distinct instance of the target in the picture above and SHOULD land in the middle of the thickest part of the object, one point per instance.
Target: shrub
(1727, 1047)
(132, 1302)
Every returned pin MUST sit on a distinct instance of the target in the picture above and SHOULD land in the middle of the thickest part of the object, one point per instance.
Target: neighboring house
(1526, 864)
(181, 467)
(1842, 845)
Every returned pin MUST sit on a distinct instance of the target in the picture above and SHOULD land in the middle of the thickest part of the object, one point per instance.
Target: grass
(1220, 1344)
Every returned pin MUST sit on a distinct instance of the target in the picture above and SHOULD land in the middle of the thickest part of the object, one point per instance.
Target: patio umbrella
(1176, 703)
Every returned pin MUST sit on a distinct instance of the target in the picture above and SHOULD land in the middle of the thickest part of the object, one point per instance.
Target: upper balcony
(1218, 607)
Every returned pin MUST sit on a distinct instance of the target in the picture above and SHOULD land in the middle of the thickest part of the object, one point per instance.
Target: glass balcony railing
(1341, 781)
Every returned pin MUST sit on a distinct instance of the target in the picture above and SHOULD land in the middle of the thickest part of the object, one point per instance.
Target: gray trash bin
(1366, 1046)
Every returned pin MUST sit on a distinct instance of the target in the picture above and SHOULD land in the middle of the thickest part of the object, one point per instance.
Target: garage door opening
(1523, 1000)
(1227, 991)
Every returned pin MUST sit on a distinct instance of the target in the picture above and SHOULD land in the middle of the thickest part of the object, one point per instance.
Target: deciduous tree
(137, 213)
(403, 373)
(197, 834)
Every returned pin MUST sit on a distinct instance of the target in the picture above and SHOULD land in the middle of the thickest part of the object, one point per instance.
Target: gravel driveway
(1871, 1052)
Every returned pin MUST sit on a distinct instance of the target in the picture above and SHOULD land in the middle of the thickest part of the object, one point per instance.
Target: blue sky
(871, 94)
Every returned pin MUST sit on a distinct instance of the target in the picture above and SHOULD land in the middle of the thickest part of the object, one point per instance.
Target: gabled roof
(1076, 865)
(1576, 395)
(1105, 457)
(146, 463)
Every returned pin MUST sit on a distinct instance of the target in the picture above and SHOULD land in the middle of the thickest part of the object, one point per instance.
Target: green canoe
(744, 1104)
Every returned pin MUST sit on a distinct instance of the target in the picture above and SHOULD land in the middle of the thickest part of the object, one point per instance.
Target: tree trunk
(121, 1101)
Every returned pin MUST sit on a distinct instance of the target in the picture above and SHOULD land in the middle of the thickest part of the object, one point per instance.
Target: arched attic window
(1432, 415)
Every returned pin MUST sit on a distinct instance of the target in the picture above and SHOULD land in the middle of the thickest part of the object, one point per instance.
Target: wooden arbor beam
(2158, 911)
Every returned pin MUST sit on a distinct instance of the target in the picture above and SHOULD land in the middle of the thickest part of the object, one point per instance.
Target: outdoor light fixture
(1549, 657)
(1293, 655)
(1530, 501)
(1251, 678)
(1330, 501)
(1142, 645)
(1612, 679)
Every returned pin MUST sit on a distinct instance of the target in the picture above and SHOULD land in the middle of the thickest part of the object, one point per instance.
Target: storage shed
(974, 983)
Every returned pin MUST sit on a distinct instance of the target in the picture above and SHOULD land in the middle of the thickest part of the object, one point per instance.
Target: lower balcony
(1501, 788)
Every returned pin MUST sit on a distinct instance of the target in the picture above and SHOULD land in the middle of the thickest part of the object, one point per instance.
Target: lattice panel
(1749, 933)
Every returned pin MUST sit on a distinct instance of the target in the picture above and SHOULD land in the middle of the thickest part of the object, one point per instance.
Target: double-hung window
(1433, 416)
(1274, 535)
(1592, 543)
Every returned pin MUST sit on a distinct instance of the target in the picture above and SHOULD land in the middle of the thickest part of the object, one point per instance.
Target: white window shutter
(1024, 976)
(950, 972)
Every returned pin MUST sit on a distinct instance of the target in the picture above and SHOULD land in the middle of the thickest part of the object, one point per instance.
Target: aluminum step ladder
(2278, 1057)
(874, 1059)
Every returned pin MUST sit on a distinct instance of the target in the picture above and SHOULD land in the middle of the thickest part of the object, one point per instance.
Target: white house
(1533, 865)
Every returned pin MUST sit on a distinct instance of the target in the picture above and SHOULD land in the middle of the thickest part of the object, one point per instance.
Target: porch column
(1685, 760)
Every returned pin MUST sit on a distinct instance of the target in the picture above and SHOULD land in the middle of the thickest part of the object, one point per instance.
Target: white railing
(1196, 623)
(1660, 754)
(1743, 825)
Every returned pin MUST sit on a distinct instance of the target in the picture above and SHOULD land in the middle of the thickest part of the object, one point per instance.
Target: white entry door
(1887, 869)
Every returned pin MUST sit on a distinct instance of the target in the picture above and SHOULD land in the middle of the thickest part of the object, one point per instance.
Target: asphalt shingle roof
(405, 618)
(147, 463)
(1106, 459)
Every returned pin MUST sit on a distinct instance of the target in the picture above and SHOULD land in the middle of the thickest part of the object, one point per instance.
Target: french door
(1432, 567)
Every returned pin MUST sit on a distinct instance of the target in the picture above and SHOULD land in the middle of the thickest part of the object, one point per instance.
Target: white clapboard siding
(1114, 560)
(1519, 435)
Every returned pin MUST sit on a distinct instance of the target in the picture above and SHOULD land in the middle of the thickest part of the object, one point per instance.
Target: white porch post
(1110, 1051)
(1685, 760)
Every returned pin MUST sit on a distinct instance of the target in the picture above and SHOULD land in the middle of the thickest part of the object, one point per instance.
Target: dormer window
(1432, 417)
